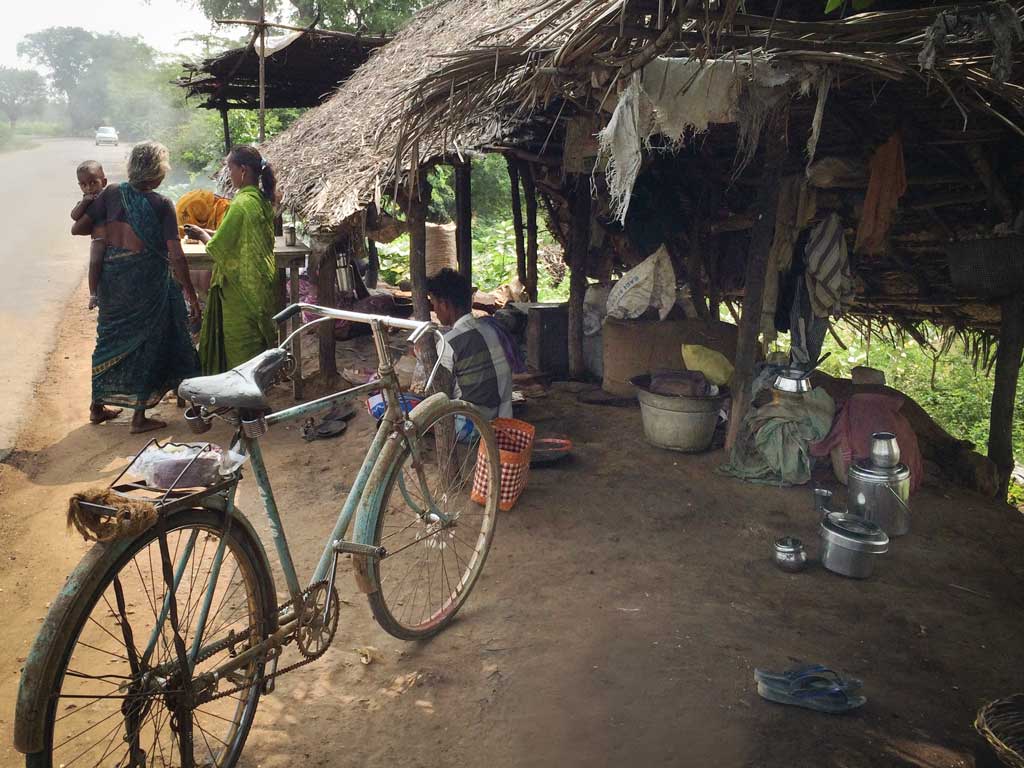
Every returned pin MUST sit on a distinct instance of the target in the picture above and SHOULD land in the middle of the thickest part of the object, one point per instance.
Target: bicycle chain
(276, 673)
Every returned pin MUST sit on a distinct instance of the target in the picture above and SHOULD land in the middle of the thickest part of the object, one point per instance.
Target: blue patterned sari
(143, 346)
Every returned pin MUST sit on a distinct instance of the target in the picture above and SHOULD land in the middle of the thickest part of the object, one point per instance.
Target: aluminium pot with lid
(850, 544)
(881, 495)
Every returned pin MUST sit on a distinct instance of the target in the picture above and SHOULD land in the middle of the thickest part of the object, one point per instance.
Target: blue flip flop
(810, 693)
(826, 675)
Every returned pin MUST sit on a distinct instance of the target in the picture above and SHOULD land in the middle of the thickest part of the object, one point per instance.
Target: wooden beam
(1004, 392)
(517, 218)
(227, 129)
(579, 247)
(530, 192)
(464, 218)
(753, 287)
(416, 217)
(355, 38)
(324, 257)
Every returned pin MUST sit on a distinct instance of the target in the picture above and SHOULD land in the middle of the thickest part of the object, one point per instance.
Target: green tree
(21, 91)
(375, 16)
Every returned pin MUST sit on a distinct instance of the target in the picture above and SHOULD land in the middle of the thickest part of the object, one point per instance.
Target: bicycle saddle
(244, 386)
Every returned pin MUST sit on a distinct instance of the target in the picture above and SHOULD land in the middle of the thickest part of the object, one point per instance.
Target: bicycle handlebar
(418, 327)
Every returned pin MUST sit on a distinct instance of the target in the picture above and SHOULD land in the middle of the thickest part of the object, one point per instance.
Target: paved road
(40, 262)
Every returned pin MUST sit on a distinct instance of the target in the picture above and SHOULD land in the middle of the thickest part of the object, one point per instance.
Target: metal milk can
(881, 494)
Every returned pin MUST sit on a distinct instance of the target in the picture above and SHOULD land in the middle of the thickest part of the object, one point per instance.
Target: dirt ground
(626, 601)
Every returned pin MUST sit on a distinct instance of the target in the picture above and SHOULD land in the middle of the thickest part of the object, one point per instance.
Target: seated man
(473, 352)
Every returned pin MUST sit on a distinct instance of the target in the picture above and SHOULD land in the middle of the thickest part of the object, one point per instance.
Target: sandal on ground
(815, 674)
(809, 694)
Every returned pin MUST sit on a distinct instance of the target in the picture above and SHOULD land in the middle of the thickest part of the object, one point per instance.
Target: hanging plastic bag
(652, 283)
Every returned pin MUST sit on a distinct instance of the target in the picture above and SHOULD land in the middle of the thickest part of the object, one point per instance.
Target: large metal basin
(678, 423)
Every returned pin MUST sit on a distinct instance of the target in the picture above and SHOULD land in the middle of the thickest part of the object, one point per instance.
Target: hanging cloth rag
(888, 183)
(796, 207)
(806, 330)
(829, 279)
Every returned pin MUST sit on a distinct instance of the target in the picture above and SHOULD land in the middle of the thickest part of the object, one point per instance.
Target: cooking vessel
(790, 555)
(792, 380)
(885, 451)
(850, 544)
(880, 495)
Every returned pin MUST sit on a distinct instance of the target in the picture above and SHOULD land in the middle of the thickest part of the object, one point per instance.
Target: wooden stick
(356, 38)
(753, 287)
(1004, 391)
(464, 218)
(530, 191)
(579, 247)
(263, 73)
(517, 219)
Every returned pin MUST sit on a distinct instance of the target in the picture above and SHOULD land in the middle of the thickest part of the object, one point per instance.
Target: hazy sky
(161, 23)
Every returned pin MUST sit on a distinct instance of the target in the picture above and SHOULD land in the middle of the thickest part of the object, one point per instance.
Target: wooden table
(287, 258)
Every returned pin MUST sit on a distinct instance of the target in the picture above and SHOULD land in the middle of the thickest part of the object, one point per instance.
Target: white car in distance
(106, 134)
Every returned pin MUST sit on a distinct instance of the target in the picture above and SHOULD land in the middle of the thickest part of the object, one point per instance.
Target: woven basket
(1001, 722)
(992, 267)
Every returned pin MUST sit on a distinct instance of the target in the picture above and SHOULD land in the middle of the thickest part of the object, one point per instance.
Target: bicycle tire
(389, 604)
(259, 595)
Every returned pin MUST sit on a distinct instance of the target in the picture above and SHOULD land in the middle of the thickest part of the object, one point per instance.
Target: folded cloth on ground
(773, 445)
(862, 415)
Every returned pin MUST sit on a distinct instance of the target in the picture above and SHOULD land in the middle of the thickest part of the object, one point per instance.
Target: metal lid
(852, 532)
(866, 470)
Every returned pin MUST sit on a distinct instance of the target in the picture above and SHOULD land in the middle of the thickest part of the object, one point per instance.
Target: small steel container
(790, 555)
(850, 544)
(885, 450)
(289, 235)
(822, 501)
(792, 381)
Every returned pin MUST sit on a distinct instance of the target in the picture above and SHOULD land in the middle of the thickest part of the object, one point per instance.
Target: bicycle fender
(380, 476)
(38, 676)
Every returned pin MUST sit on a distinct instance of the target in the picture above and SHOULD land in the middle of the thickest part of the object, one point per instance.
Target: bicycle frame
(392, 426)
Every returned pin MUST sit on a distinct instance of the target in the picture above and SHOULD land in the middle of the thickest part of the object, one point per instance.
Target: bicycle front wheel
(435, 528)
(122, 697)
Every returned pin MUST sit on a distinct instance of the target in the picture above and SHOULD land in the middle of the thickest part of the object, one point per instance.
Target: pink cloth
(866, 413)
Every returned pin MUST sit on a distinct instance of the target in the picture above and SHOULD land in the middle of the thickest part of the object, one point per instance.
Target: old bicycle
(161, 642)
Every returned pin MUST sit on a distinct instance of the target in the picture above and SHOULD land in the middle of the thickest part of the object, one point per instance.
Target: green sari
(238, 325)
(143, 347)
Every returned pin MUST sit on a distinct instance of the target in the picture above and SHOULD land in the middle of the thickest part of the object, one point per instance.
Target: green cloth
(238, 323)
(773, 445)
(143, 347)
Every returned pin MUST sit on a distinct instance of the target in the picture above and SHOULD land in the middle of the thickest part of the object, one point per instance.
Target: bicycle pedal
(353, 548)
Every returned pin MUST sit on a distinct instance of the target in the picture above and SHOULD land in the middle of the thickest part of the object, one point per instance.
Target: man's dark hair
(449, 284)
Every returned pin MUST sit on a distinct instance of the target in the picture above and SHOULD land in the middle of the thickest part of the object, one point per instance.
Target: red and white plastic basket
(515, 446)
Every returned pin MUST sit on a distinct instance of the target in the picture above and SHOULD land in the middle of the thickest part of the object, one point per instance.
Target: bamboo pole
(517, 219)
(464, 217)
(579, 246)
(753, 286)
(227, 129)
(530, 191)
(1004, 392)
(263, 74)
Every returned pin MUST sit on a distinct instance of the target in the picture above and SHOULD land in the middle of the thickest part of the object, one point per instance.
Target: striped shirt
(473, 353)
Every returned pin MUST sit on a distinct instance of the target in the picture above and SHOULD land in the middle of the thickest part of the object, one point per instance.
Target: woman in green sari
(238, 324)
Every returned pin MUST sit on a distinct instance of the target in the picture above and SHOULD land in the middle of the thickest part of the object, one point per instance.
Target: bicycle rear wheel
(436, 536)
(120, 687)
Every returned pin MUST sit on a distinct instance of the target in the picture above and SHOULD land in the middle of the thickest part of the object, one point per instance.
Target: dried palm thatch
(338, 158)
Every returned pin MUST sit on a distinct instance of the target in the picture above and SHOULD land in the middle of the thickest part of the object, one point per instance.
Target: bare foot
(144, 424)
(99, 413)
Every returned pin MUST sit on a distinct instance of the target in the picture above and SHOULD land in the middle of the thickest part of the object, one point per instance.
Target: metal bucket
(677, 422)
(881, 495)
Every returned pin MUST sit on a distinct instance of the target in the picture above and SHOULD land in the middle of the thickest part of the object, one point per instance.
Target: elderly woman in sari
(143, 349)
(238, 325)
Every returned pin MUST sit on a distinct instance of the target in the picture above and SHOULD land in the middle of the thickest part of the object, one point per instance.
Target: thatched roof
(302, 69)
(512, 75)
(333, 159)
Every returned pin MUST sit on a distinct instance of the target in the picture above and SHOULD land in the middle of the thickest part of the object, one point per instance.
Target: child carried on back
(92, 181)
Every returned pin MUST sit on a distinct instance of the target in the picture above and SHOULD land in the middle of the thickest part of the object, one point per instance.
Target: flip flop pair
(812, 686)
(332, 424)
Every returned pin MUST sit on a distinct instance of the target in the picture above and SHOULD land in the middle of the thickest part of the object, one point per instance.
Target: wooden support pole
(1004, 393)
(416, 217)
(372, 264)
(530, 192)
(324, 257)
(263, 73)
(579, 246)
(464, 218)
(694, 262)
(753, 287)
(517, 219)
(227, 129)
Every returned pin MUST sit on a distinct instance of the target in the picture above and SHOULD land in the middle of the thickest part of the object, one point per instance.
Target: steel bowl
(792, 380)
(790, 555)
